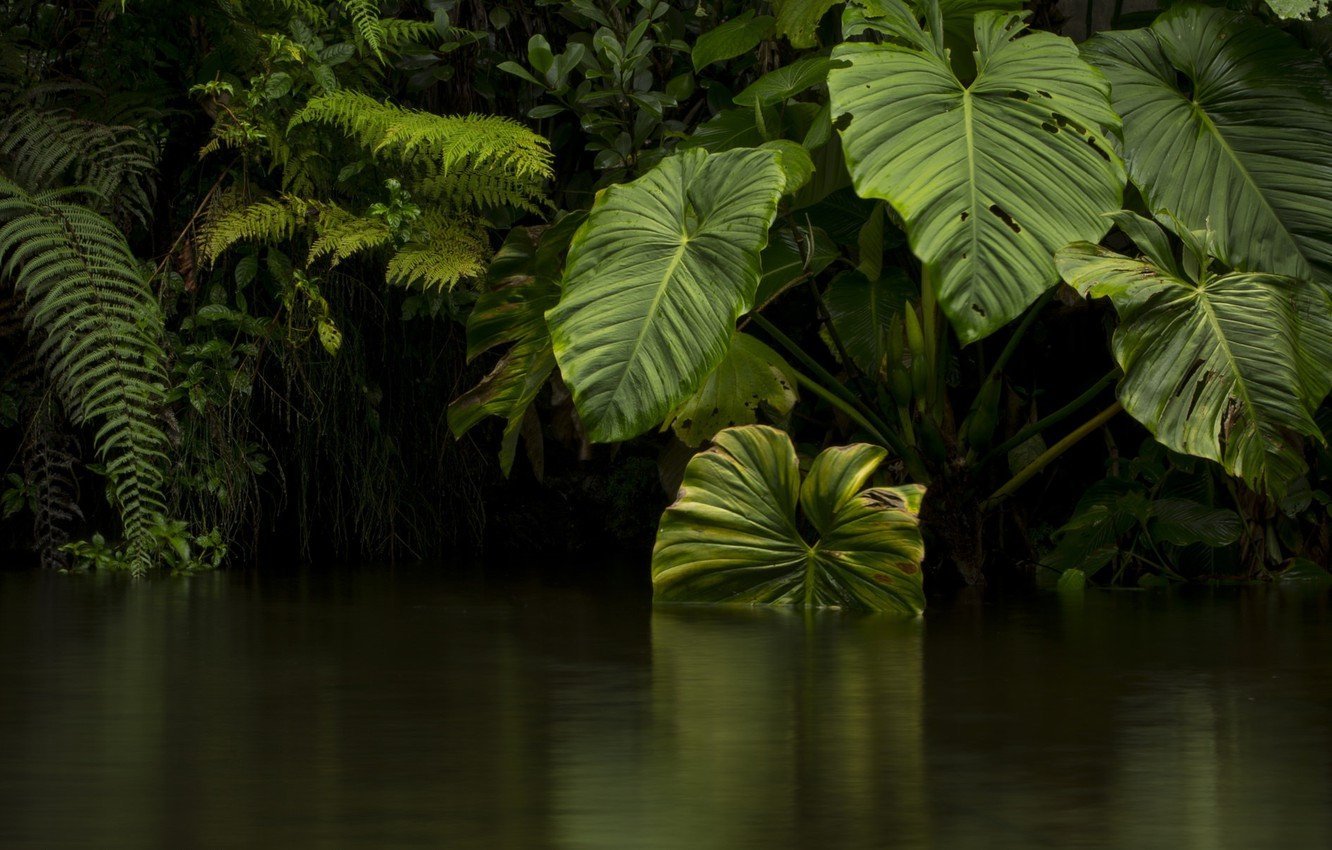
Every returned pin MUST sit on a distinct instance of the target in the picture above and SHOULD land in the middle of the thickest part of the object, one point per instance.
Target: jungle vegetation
(863, 295)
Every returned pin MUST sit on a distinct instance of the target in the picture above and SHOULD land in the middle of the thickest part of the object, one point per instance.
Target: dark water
(415, 709)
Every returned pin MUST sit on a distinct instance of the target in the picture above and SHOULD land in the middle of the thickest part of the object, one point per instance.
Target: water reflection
(382, 709)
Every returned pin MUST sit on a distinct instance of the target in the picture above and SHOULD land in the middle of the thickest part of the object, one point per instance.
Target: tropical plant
(1211, 98)
(654, 282)
(733, 534)
(983, 223)
(97, 330)
(1229, 366)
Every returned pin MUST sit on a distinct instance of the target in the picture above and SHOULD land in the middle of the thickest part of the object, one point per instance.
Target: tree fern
(397, 33)
(340, 234)
(44, 148)
(98, 330)
(468, 188)
(450, 142)
(446, 251)
(364, 16)
(269, 221)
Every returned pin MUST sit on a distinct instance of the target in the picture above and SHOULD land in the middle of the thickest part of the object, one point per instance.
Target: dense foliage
(854, 281)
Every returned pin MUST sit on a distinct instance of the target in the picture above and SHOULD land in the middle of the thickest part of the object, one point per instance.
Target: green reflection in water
(419, 708)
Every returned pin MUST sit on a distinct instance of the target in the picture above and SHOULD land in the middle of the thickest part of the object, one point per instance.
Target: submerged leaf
(733, 534)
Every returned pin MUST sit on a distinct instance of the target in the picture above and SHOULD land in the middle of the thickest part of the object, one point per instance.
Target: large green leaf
(862, 313)
(521, 284)
(752, 377)
(733, 534)
(990, 177)
(798, 20)
(1228, 126)
(736, 37)
(1229, 367)
(654, 282)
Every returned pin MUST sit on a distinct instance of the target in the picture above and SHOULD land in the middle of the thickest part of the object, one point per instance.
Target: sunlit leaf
(1228, 127)
(733, 534)
(990, 177)
(654, 282)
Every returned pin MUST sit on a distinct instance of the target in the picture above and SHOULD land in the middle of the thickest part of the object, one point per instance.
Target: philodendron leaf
(1306, 10)
(520, 286)
(735, 37)
(862, 313)
(798, 20)
(654, 281)
(751, 377)
(1229, 367)
(1228, 126)
(733, 534)
(990, 177)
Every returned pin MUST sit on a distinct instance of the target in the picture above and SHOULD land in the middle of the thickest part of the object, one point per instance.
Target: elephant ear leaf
(991, 177)
(1229, 367)
(654, 282)
(733, 534)
(752, 377)
(1228, 125)
(862, 313)
(520, 286)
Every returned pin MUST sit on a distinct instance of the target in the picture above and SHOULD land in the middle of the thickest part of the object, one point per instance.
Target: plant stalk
(1053, 419)
(1051, 454)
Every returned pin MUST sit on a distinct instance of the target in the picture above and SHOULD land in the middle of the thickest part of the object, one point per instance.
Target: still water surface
(414, 708)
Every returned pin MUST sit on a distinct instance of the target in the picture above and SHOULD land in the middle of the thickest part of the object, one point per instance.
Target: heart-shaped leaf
(1229, 367)
(1228, 126)
(733, 534)
(654, 281)
(991, 177)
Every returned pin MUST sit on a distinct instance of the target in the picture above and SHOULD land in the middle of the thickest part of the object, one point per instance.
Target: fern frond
(482, 142)
(466, 188)
(448, 250)
(364, 16)
(98, 330)
(49, 457)
(269, 222)
(43, 148)
(397, 33)
(341, 234)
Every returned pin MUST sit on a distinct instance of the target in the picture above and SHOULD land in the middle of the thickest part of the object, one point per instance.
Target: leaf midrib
(671, 268)
(1209, 314)
(1211, 127)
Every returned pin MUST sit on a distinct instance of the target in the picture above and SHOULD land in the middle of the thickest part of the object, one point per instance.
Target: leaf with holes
(990, 177)
(752, 377)
(733, 534)
(1228, 126)
(1229, 367)
(654, 282)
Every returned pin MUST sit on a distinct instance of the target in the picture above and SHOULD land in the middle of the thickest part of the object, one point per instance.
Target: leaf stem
(1053, 419)
(1051, 454)
(1027, 321)
(884, 437)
